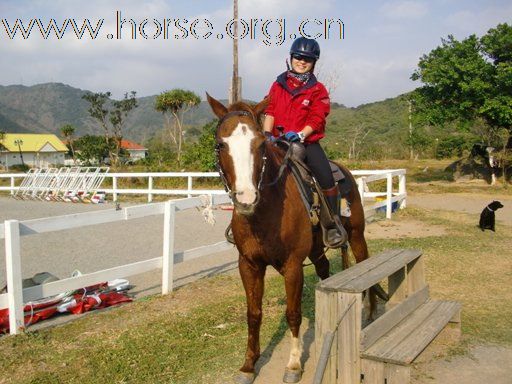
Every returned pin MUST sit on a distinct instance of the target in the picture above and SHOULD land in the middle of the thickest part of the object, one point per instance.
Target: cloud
(285, 8)
(406, 9)
(365, 80)
(469, 22)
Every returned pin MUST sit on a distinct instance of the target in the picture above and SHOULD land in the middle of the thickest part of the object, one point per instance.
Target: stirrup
(335, 236)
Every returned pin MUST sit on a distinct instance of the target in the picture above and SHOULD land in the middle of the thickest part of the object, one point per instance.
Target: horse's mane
(239, 106)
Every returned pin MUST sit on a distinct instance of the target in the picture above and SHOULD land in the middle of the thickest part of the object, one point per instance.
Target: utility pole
(411, 156)
(235, 91)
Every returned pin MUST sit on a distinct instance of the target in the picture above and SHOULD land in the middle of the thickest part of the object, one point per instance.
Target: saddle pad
(344, 183)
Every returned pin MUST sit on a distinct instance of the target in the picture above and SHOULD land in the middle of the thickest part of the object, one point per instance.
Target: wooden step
(402, 344)
(369, 272)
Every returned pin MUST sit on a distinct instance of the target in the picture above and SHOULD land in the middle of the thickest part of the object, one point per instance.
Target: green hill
(379, 129)
(47, 107)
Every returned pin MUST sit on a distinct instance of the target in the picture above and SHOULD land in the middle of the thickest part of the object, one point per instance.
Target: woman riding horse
(271, 226)
(298, 107)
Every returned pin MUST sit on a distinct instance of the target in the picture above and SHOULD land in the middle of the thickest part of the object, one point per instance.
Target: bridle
(260, 185)
(217, 155)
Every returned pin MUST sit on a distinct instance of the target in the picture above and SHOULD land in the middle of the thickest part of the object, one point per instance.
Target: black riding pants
(319, 165)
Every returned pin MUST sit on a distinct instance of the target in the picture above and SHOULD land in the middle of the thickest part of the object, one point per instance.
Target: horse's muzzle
(242, 208)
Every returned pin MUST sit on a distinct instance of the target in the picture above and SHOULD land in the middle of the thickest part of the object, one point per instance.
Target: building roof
(126, 144)
(33, 142)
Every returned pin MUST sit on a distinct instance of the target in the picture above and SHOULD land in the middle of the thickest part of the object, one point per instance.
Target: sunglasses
(303, 58)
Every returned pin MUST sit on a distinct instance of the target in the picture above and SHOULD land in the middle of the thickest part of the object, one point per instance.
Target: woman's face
(302, 64)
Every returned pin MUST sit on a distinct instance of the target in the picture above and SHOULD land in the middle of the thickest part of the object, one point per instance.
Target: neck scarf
(302, 77)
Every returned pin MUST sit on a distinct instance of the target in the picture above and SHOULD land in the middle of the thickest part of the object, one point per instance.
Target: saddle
(311, 191)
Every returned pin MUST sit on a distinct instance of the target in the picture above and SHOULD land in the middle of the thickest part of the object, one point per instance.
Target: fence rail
(13, 231)
(363, 178)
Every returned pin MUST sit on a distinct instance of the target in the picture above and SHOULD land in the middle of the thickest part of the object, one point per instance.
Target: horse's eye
(220, 146)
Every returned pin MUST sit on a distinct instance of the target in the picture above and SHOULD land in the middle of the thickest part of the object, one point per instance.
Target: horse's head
(240, 151)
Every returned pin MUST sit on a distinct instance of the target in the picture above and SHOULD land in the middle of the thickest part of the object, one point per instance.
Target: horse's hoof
(292, 375)
(244, 378)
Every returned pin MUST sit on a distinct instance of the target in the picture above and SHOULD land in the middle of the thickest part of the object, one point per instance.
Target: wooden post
(397, 374)
(373, 371)
(389, 195)
(168, 251)
(114, 187)
(325, 319)
(12, 185)
(402, 191)
(150, 188)
(397, 287)
(348, 339)
(189, 186)
(13, 274)
(360, 187)
(415, 275)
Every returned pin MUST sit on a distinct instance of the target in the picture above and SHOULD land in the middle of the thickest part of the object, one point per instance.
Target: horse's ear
(217, 107)
(259, 108)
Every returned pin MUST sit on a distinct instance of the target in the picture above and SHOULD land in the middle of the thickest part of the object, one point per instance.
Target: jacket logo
(305, 102)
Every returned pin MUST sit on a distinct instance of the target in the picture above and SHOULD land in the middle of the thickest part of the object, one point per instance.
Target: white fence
(363, 178)
(390, 196)
(149, 191)
(14, 230)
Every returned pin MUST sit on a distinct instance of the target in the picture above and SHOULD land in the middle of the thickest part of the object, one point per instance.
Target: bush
(201, 155)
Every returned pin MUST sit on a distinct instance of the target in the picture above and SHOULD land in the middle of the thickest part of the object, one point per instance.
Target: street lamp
(19, 143)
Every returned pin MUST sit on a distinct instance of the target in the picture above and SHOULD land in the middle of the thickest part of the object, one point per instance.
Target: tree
(2, 136)
(116, 117)
(92, 149)
(201, 155)
(67, 132)
(355, 139)
(467, 80)
(173, 105)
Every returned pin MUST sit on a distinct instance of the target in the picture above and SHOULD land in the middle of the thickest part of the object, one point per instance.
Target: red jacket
(295, 107)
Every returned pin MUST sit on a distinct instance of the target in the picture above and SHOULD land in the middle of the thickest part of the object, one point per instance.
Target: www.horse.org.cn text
(268, 31)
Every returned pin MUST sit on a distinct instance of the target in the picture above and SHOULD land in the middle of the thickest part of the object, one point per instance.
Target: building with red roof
(135, 150)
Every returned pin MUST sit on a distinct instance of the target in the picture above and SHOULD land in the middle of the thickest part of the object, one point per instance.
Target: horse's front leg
(253, 277)
(294, 280)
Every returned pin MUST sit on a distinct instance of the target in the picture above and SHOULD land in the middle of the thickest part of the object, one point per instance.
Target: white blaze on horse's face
(239, 143)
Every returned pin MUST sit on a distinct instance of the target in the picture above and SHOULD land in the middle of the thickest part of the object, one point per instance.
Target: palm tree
(174, 104)
(68, 131)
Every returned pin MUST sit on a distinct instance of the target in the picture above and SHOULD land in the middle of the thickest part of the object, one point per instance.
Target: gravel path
(463, 202)
(98, 247)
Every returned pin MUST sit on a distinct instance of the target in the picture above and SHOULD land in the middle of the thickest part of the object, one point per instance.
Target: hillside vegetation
(376, 130)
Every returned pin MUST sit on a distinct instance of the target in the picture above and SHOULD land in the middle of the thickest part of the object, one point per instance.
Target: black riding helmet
(305, 47)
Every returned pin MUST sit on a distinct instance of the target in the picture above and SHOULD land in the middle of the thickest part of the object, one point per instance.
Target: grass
(198, 332)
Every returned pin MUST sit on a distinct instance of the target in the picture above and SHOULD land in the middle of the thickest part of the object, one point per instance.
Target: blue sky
(382, 43)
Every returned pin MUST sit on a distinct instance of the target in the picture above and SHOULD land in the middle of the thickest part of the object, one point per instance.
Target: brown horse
(270, 224)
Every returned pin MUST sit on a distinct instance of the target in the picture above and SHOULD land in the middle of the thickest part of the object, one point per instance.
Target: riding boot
(335, 233)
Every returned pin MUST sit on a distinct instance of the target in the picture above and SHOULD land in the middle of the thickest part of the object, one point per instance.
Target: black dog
(487, 217)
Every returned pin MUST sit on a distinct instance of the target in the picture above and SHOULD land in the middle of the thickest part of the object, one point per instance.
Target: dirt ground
(481, 364)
